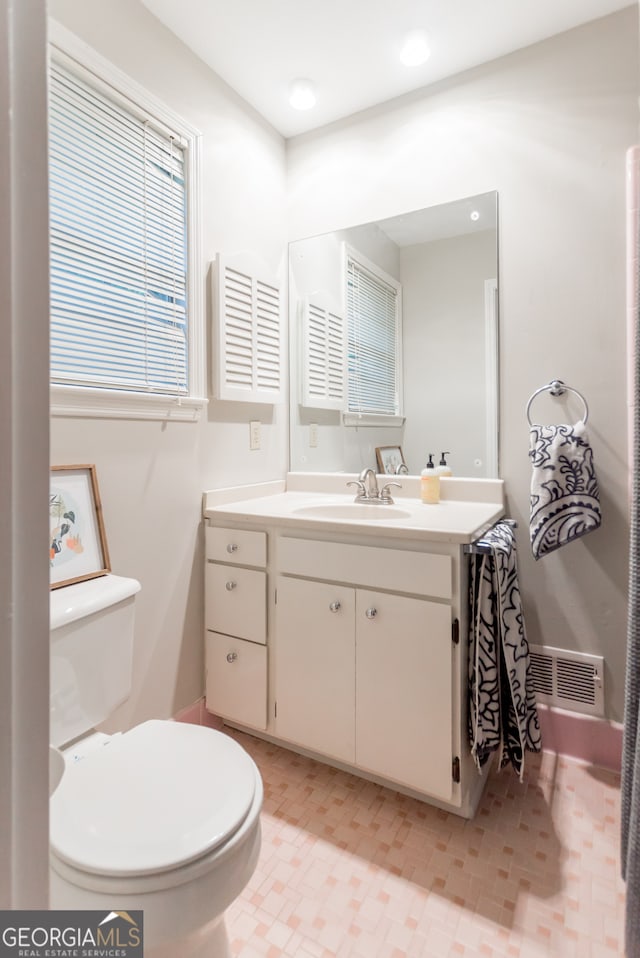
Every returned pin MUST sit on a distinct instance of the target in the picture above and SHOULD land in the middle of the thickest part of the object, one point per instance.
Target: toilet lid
(157, 797)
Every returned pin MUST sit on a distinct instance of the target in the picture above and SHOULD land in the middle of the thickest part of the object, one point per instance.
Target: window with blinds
(118, 235)
(374, 339)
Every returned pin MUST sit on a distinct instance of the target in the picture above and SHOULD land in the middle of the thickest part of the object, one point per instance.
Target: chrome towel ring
(556, 387)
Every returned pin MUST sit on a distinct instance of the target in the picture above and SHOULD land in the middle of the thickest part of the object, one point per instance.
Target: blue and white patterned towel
(502, 701)
(565, 503)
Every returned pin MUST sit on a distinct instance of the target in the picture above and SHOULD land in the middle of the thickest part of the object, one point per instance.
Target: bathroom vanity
(339, 629)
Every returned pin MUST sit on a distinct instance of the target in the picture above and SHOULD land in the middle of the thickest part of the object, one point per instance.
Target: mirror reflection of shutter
(248, 345)
(323, 359)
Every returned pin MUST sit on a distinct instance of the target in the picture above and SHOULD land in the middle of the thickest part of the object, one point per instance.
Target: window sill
(112, 404)
(371, 419)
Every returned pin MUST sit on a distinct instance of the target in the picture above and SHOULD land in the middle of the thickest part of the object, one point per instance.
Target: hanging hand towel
(502, 702)
(565, 503)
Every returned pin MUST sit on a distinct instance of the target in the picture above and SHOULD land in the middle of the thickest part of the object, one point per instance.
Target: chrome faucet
(370, 482)
(368, 490)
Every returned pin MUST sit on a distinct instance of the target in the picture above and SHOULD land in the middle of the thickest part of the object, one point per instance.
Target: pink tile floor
(353, 870)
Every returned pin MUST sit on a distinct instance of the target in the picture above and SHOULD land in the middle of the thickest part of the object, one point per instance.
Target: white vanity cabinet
(344, 637)
(364, 676)
(236, 624)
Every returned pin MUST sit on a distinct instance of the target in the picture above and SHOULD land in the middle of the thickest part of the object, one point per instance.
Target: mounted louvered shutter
(323, 360)
(248, 359)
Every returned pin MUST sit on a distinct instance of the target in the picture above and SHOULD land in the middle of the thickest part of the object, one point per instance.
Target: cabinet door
(315, 666)
(404, 691)
(236, 679)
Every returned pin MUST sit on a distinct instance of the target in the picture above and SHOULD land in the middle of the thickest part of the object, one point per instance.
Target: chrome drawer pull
(230, 585)
(335, 606)
(371, 613)
(232, 547)
(231, 657)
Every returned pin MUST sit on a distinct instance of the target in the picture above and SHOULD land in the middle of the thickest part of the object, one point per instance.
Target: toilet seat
(155, 798)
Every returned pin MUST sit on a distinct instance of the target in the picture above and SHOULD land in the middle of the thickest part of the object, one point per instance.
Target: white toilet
(162, 818)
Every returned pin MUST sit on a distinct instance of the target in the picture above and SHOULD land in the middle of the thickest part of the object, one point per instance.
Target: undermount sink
(352, 510)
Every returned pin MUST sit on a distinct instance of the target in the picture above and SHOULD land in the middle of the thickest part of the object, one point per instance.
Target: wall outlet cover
(254, 434)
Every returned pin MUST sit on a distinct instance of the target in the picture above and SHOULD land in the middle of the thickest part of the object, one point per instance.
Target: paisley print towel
(502, 703)
(565, 503)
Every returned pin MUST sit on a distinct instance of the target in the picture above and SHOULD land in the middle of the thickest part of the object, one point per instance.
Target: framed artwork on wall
(390, 460)
(77, 540)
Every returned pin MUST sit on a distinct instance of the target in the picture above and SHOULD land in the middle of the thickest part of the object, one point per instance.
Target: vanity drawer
(236, 679)
(419, 573)
(241, 546)
(235, 601)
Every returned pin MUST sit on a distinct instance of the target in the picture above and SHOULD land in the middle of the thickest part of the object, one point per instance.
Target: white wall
(548, 128)
(152, 475)
(444, 388)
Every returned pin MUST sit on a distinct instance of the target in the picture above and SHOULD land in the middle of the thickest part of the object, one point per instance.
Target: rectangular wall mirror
(394, 341)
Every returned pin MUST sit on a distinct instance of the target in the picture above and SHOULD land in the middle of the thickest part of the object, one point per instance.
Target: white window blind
(118, 245)
(373, 317)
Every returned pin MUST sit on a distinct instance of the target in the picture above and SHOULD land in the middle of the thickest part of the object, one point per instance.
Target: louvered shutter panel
(248, 357)
(323, 360)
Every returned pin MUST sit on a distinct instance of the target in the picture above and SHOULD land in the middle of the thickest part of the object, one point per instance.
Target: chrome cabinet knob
(371, 613)
(232, 547)
(231, 657)
(335, 606)
(230, 585)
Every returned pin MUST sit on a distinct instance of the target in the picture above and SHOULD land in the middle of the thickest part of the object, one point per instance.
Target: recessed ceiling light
(415, 49)
(475, 216)
(302, 94)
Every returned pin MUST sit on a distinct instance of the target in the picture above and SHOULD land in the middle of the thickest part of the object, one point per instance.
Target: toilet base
(185, 920)
(210, 942)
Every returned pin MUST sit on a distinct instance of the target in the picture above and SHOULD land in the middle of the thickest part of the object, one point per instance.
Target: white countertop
(453, 519)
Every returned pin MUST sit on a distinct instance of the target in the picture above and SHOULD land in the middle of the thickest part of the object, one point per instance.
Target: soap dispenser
(443, 468)
(430, 483)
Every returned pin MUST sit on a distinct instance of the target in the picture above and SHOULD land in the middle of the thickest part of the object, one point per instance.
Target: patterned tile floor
(349, 869)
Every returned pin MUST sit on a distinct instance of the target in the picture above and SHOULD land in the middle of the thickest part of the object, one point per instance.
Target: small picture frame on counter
(390, 460)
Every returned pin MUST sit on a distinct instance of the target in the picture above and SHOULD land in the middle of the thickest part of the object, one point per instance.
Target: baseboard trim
(197, 714)
(595, 741)
(592, 740)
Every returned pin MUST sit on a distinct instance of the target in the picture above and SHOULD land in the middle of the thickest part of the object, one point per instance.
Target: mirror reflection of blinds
(118, 245)
(372, 350)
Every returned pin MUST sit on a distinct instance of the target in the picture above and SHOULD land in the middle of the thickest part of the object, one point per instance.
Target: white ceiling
(439, 222)
(349, 48)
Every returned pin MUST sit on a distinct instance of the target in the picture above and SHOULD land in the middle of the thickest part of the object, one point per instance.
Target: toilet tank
(91, 637)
